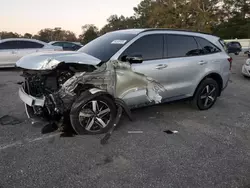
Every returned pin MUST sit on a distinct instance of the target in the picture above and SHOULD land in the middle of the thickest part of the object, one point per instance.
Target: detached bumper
(30, 100)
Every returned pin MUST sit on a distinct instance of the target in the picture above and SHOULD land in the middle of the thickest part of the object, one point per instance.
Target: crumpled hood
(50, 60)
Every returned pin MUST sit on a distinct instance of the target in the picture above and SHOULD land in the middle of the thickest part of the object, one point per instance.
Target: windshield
(105, 46)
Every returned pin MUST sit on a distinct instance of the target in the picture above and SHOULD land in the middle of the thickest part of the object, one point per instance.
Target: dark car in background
(234, 47)
(67, 46)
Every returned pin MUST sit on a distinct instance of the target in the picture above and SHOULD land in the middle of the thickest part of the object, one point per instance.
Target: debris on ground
(9, 120)
(170, 132)
(135, 132)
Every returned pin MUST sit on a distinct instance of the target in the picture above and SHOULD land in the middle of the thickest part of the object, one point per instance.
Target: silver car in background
(12, 49)
(124, 69)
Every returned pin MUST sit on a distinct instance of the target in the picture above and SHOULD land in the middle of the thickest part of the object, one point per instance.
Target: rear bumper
(30, 100)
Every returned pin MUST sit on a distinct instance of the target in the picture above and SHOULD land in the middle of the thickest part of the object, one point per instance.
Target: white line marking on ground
(27, 140)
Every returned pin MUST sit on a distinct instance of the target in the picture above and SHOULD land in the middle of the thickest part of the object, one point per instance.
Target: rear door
(184, 65)
(8, 53)
(217, 60)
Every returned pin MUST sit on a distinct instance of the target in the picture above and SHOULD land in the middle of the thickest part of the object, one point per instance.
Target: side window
(29, 44)
(206, 46)
(149, 47)
(58, 44)
(181, 46)
(9, 45)
(68, 45)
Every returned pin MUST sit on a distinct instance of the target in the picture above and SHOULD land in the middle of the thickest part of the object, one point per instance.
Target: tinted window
(105, 46)
(206, 46)
(58, 44)
(9, 45)
(149, 47)
(29, 44)
(235, 44)
(68, 45)
(181, 46)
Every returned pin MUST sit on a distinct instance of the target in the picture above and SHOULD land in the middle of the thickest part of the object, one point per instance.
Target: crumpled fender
(86, 96)
(95, 92)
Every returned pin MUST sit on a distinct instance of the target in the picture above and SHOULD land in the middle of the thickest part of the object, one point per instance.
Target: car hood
(50, 60)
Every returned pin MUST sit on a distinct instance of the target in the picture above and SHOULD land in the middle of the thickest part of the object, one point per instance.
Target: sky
(30, 16)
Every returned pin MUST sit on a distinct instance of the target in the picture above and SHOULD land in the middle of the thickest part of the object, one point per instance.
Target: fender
(95, 92)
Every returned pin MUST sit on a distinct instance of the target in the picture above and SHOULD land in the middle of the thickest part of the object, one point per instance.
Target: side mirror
(133, 58)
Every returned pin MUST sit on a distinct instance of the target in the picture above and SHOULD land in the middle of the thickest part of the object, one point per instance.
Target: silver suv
(128, 68)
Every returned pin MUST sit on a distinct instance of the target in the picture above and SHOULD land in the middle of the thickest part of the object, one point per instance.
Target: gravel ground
(212, 148)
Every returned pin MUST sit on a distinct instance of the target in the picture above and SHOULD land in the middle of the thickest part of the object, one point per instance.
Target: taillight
(230, 61)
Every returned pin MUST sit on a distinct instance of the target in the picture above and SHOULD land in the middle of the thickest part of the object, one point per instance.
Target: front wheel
(93, 116)
(206, 94)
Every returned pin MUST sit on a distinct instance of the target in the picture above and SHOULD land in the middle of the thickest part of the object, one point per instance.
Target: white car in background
(12, 49)
(246, 68)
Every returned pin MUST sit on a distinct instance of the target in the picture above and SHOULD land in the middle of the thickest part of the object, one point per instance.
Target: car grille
(35, 88)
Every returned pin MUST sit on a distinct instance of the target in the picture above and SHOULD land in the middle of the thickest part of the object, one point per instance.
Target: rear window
(105, 46)
(206, 46)
(181, 46)
(236, 44)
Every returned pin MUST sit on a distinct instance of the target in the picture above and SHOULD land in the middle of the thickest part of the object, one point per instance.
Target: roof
(78, 43)
(18, 39)
(141, 30)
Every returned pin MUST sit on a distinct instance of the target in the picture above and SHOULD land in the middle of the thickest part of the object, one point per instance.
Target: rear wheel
(94, 116)
(206, 94)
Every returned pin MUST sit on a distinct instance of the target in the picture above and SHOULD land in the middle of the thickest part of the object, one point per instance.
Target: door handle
(161, 66)
(202, 62)
(13, 52)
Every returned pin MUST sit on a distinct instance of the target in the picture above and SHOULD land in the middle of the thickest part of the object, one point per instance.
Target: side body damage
(114, 79)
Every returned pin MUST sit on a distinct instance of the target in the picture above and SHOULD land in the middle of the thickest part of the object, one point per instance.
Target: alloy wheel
(94, 115)
(208, 95)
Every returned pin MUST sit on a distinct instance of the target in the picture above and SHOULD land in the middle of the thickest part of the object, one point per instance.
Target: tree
(89, 33)
(56, 34)
(117, 23)
(4, 35)
(143, 12)
(27, 35)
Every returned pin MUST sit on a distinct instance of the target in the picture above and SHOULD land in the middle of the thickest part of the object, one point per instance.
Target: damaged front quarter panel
(116, 78)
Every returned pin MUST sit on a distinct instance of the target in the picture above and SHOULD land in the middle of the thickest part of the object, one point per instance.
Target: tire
(202, 100)
(236, 53)
(85, 121)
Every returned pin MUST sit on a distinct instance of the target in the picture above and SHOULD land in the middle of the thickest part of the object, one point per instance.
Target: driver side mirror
(133, 58)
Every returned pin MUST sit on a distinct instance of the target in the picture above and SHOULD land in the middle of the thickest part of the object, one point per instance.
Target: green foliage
(90, 32)
(56, 34)
(225, 18)
(4, 35)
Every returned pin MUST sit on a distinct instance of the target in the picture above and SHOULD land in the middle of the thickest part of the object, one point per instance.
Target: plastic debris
(170, 132)
(135, 132)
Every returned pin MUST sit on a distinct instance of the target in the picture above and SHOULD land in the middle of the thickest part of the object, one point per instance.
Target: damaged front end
(55, 90)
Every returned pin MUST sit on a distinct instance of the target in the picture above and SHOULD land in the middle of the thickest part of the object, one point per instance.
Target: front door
(151, 48)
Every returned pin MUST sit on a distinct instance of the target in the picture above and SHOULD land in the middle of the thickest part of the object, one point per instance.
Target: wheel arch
(216, 76)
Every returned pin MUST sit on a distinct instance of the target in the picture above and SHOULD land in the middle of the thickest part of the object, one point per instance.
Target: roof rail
(169, 29)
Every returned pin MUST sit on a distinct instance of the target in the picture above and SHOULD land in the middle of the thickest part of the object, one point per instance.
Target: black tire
(80, 103)
(199, 101)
